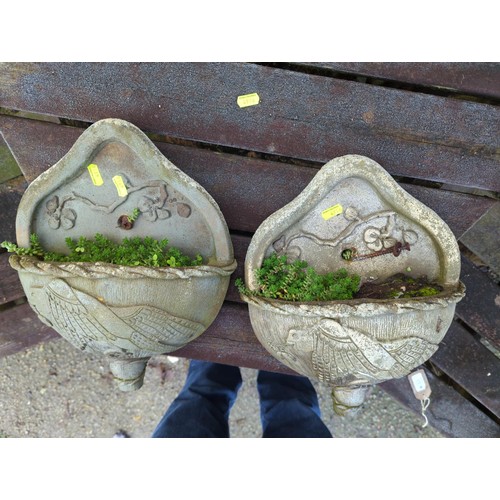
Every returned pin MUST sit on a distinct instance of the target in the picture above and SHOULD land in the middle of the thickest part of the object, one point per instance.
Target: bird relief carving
(140, 330)
(334, 351)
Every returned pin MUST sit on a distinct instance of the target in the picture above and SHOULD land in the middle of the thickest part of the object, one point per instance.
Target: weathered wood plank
(480, 308)
(471, 365)
(230, 179)
(10, 286)
(477, 78)
(450, 413)
(231, 340)
(302, 116)
(10, 196)
(36, 145)
(483, 238)
(20, 328)
(9, 168)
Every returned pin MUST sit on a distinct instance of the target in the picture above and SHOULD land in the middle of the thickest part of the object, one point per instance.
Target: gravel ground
(54, 390)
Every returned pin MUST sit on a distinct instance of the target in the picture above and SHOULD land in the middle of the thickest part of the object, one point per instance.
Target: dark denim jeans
(288, 404)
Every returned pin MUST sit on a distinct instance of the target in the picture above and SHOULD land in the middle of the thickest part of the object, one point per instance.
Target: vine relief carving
(155, 207)
(379, 240)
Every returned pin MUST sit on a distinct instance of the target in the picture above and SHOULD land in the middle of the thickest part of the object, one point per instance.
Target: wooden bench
(434, 127)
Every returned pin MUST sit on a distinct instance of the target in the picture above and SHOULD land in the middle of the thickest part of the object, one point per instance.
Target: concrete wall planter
(126, 313)
(353, 206)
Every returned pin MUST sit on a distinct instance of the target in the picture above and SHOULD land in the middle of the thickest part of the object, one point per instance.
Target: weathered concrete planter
(353, 204)
(126, 313)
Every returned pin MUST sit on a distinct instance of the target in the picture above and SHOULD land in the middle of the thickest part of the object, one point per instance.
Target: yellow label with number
(248, 100)
(332, 212)
(95, 175)
(120, 186)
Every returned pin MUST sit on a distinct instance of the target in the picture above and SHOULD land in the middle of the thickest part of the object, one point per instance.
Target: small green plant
(135, 213)
(297, 281)
(130, 252)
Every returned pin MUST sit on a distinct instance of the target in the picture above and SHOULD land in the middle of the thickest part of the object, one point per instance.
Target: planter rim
(104, 270)
(358, 307)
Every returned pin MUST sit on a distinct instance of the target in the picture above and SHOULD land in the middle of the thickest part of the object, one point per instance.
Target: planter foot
(348, 400)
(129, 374)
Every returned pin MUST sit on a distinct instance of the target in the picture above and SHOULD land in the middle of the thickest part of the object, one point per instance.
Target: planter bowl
(353, 344)
(353, 215)
(126, 313)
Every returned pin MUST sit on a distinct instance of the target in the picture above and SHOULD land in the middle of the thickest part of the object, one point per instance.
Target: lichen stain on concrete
(368, 117)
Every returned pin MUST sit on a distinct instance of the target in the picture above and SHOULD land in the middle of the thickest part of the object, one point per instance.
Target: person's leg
(289, 407)
(202, 407)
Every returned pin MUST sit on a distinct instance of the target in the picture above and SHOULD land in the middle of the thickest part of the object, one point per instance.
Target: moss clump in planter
(130, 252)
(298, 282)
(399, 286)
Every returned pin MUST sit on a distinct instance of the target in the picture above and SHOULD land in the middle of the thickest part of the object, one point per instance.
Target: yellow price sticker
(95, 175)
(248, 100)
(332, 211)
(120, 186)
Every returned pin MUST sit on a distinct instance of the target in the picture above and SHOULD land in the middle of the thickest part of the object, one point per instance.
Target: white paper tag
(422, 391)
(420, 384)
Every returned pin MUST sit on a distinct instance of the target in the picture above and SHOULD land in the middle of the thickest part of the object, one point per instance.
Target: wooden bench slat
(10, 286)
(20, 328)
(10, 196)
(448, 412)
(483, 238)
(478, 78)
(229, 178)
(9, 168)
(231, 340)
(471, 365)
(302, 116)
(480, 308)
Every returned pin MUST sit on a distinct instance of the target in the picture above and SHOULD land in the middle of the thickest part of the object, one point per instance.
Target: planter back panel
(354, 215)
(92, 203)
(113, 170)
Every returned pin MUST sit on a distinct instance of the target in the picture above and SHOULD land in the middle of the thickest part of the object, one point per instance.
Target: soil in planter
(398, 286)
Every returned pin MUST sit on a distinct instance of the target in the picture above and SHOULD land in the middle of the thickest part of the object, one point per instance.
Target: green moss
(297, 281)
(130, 252)
(9, 169)
(425, 291)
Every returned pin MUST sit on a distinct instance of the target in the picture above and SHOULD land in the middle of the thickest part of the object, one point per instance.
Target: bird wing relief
(83, 319)
(69, 316)
(410, 352)
(340, 351)
(157, 328)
